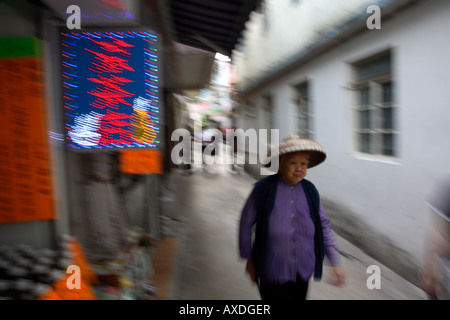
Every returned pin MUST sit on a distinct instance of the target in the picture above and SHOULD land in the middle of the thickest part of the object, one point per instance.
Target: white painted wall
(389, 195)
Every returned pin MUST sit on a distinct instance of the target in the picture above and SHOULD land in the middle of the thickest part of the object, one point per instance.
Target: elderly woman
(292, 232)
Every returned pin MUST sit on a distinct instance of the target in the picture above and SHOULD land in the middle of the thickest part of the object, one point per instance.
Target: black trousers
(290, 291)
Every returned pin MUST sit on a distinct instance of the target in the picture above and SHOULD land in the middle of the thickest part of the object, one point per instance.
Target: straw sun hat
(295, 144)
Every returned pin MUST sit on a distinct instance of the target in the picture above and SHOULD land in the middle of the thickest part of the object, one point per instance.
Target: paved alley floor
(203, 212)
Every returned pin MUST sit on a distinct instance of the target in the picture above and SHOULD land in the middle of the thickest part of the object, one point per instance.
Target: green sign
(18, 47)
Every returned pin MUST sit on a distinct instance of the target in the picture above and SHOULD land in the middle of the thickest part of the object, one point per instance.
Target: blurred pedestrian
(209, 148)
(292, 233)
(190, 158)
(435, 275)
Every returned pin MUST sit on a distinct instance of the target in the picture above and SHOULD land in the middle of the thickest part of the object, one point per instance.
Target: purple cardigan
(290, 247)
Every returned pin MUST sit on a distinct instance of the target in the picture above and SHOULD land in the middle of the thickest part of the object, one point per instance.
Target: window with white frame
(376, 130)
(303, 126)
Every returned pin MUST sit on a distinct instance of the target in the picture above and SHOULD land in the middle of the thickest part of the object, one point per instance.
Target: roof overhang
(211, 25)
(193, 70)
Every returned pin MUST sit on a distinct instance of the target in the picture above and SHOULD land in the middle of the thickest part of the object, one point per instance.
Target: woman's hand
(338, 277)
(250, 268)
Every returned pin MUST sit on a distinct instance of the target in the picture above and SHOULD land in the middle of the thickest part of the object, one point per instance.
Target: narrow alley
(203, 212)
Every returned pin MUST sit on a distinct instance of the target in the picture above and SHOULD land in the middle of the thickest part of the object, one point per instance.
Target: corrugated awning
(212, 25)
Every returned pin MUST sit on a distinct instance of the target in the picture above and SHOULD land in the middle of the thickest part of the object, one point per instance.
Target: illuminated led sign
(110, 86)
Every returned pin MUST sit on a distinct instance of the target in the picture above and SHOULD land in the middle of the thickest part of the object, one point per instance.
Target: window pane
(364, 142)
(302, 89)
(364, 98)
(387, 92)
(364, 119)
(302, 123)
(388, 144)
(375, 67)
(302, 107)
(304, 134)
(388, 118)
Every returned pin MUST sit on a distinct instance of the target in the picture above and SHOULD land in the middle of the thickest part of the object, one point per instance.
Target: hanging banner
(111, 89)
(141, 161)
(25, 182)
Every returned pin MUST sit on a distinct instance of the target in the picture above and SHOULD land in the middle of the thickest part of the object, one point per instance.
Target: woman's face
(293, 167)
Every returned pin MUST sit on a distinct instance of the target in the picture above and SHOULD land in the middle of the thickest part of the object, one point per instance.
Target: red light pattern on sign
(109, 92)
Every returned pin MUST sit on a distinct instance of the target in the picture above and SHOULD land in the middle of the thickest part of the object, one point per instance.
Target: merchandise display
(27, 273)
(129, 275)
